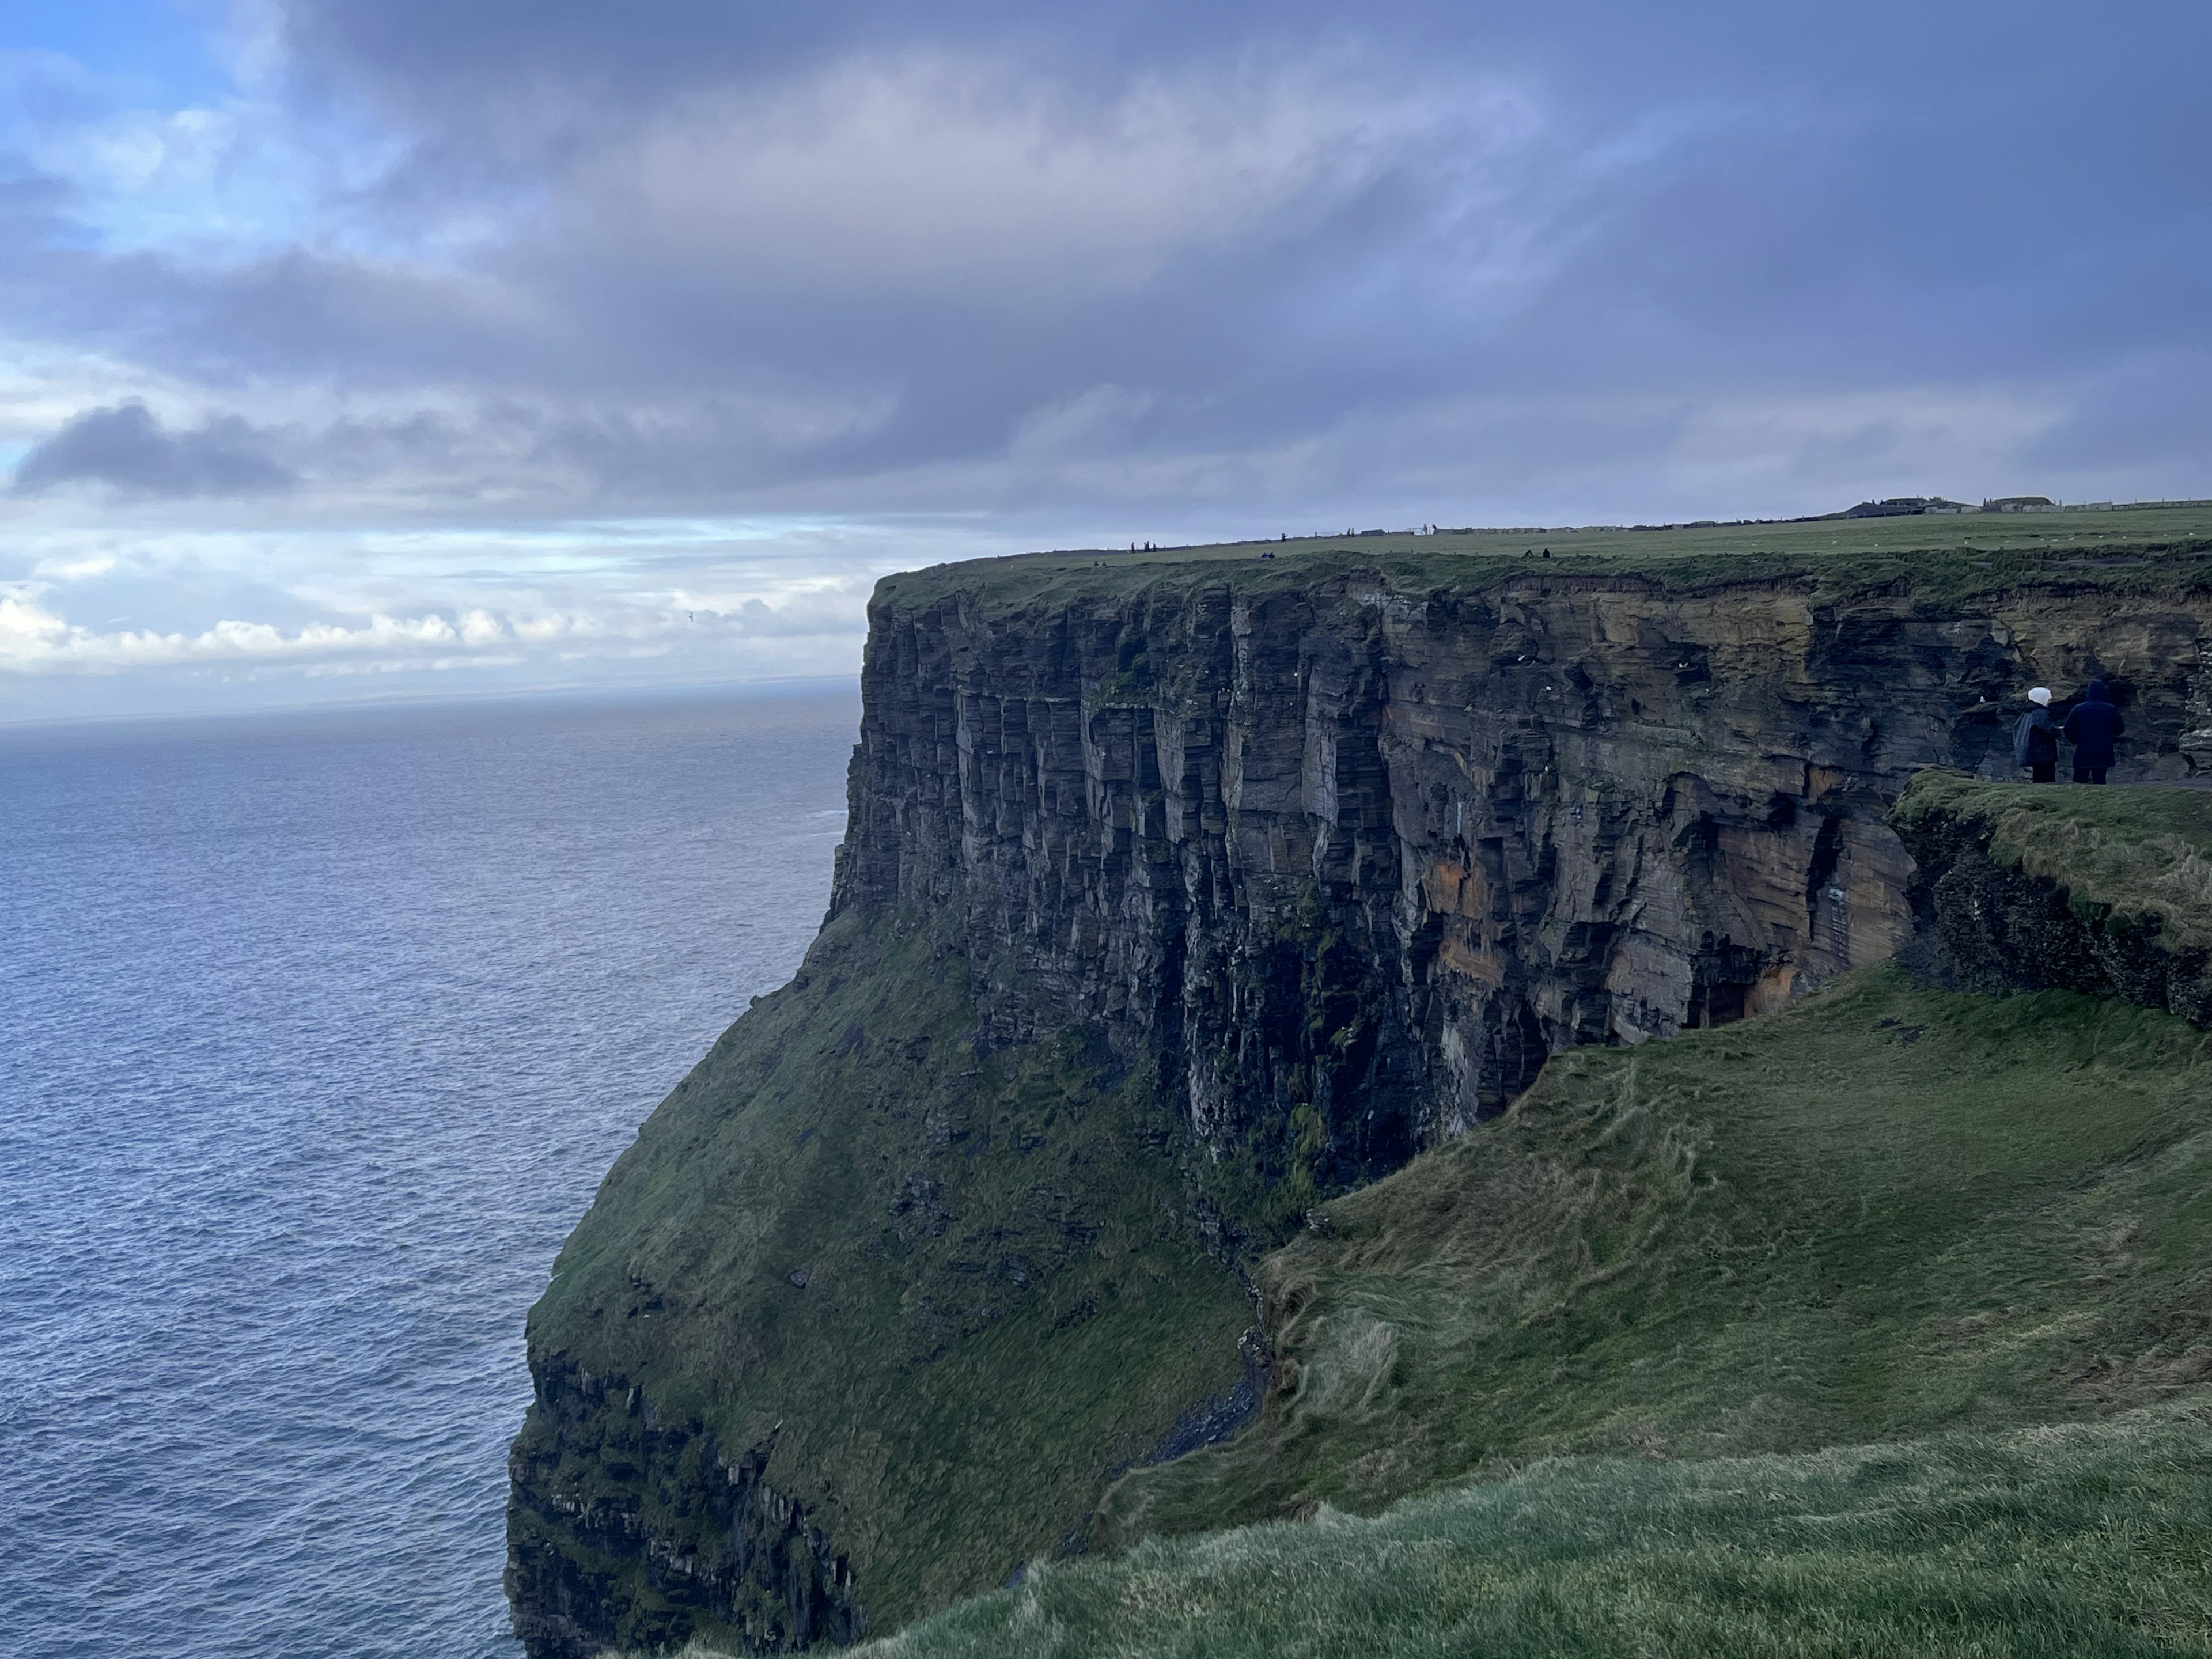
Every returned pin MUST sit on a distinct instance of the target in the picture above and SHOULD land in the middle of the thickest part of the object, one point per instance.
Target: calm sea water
(316, 1035)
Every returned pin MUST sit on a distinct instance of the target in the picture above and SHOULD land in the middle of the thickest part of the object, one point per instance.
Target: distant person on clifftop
(2035, 739)
(2091, 728)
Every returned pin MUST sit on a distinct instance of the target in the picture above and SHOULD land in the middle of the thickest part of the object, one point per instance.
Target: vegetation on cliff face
(1818, 1238)
(1890, 1213)
(919, 1296)
(2048, 1543)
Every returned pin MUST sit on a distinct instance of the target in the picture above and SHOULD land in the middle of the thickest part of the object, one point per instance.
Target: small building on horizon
(1899, 507)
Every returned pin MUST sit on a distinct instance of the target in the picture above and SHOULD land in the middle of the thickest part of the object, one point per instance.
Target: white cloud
(73, 569)
(937, 172)
(36, 639)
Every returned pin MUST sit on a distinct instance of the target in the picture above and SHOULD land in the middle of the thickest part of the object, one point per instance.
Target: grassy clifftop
(2107, 891)
(2150, 549)
(2141, 856)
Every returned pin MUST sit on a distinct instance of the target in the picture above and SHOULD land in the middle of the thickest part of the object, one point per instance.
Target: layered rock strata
(771, 1578)
(1354, 858)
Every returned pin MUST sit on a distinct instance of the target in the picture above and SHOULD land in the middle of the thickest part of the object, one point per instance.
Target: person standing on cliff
(2035, 739)
(2092, 728)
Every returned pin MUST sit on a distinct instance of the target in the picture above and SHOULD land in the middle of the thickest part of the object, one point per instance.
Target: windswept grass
(2064, 1543)
(1887, 1212)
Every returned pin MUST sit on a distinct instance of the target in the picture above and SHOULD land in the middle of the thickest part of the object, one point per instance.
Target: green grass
(1006, 1299)
(1949, 557)
(2065, 1542)
(2131, 853)
(1887, 1212)
(1880, 1327)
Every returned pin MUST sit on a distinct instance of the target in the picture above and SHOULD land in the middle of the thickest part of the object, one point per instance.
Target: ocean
(319, 1032)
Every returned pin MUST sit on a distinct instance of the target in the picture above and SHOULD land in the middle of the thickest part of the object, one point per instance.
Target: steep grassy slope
(1698, 1271)
(918, 1296)
(2045, 1544)
(1899, 1304)
(1888, 1211)
(1766, 1263)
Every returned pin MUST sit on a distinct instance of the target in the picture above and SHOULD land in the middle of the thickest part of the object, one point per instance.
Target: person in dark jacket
(2035, 739)
(2091, 728)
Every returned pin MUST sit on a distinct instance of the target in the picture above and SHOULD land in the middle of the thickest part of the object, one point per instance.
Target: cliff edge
(1180, 895)
(2106, 893)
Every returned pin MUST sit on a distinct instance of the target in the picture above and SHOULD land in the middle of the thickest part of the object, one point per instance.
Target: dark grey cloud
(126, 449)
(721, 253)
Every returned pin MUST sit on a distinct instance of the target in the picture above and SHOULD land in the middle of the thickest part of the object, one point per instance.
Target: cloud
(36, 639)
(971, 179)
(33, 638)
(128, 449)
(965, 275)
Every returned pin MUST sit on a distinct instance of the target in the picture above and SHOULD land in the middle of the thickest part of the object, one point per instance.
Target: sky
(361, 348)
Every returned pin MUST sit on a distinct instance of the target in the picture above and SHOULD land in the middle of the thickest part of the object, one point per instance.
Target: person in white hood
(2035, 739)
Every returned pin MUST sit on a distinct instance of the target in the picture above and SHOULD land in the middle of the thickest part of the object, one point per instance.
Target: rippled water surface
(316, 1034)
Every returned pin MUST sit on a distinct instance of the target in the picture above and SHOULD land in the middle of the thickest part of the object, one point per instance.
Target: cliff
(1179, 894)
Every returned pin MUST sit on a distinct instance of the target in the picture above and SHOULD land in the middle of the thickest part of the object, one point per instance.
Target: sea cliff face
(1372, 854)
(1176, 898)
